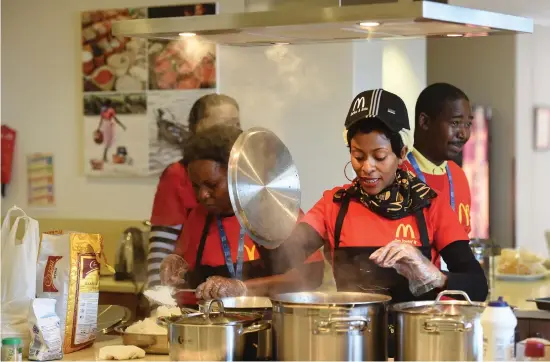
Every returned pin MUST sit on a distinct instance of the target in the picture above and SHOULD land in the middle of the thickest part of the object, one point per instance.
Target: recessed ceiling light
(454, 35)
(187, 35)
(279, 43)
(368, 24)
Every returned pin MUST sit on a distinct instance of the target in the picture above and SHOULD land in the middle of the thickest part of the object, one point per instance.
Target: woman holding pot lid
(386, 228)
(213, 253)
(174, 197)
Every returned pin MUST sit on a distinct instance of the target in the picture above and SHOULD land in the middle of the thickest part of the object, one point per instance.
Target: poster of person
(111, 63)
(168, 112)
(116, 134)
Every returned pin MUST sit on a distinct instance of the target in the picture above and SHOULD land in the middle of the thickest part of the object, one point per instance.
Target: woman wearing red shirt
(385, 229)
(174, 197)
(213, 247)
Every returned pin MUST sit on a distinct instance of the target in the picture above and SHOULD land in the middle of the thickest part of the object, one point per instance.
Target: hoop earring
(345, 174)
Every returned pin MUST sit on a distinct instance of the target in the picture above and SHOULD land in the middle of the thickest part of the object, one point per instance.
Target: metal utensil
(264, 186)
(542, 303)
(110, 316)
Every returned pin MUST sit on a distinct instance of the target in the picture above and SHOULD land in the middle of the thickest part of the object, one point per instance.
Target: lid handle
(452, 292)
(210, 303)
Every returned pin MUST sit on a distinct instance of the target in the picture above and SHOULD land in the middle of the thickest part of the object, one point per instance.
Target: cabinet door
(539, 328)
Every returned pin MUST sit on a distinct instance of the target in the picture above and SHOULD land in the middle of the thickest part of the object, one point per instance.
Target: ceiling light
(368, 24)
(454, 35)
(187, 35)
(278, 43)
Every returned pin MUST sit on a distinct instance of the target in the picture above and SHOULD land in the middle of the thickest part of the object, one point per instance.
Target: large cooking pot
(330, 326)
(212, 336)
(440, 330)
(259, 345)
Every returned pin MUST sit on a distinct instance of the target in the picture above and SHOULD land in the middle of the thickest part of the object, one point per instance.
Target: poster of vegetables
(138, 92)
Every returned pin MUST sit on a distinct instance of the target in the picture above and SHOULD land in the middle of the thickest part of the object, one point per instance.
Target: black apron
(355, 272)
(251, 269)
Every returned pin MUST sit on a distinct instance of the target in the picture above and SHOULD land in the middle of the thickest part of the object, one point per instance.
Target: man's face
(451, 128)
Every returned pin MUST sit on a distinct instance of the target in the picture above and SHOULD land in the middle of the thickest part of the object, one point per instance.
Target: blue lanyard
(238, 274)
(422, 178)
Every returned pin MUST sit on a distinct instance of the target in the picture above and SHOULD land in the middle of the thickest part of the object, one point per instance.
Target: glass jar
(12, 349)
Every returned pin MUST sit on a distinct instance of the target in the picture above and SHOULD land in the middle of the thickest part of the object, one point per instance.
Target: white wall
(301, 92)
(532, 169)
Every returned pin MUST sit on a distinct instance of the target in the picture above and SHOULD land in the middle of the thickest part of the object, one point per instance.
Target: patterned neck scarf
(406, 195)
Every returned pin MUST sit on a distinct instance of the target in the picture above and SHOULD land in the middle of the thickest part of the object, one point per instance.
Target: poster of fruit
(112, 63)
(182, 64)
(125, 133)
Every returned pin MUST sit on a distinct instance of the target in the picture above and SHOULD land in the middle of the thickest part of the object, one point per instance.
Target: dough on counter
(120, 353)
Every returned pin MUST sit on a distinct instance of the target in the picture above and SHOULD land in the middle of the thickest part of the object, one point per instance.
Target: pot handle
(453, 292)
(436, 325)
(210, 303)
(256, 327)
(341, 325)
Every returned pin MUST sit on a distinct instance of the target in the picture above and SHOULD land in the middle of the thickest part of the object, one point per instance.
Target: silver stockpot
(260, 345)
(212, 336)
(440, 330)
(330, 326)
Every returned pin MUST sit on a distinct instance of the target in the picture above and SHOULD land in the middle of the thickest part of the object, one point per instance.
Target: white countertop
(516, 293)
(92, 353)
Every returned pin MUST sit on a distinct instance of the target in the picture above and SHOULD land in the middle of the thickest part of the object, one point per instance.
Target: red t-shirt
(108, 113)
(188, 243)
(440, 183)
(174, 198)
(364, 228)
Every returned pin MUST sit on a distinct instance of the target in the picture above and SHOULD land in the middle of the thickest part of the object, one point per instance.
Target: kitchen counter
(92, 353)
(107, 283)
(516, 294)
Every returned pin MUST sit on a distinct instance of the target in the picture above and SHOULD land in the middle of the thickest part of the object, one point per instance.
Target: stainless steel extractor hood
(312, 21)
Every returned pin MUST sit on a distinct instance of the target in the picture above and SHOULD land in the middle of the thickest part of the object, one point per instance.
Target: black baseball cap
(379, 104)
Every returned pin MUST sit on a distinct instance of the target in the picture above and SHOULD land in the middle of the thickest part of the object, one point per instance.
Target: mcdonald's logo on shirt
(405, 234)
(250, 252)
(464, 214)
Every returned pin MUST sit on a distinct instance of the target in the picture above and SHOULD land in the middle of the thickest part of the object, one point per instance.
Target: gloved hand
(408, 261)
(219, 287)
(172, 270)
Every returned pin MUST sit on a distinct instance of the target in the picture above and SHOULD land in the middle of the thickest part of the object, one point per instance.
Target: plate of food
(520, 265)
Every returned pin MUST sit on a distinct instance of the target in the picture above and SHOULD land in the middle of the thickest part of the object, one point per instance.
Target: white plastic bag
(18, 274)
(45, 329)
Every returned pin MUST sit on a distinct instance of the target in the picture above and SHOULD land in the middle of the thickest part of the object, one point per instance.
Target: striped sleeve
(162, 242)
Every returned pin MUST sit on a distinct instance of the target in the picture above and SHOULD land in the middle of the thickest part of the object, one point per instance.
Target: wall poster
(40, 179)
(475, 163)
(137, 93)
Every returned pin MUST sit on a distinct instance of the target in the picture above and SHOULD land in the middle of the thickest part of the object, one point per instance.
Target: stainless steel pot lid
(330, 298)
(215, 314)
(264, 186)
(441, 307)
(218, 319)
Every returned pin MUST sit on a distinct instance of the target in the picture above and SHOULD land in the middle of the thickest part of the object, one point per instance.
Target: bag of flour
(18, 276)
(44, 325)
(68, 271)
